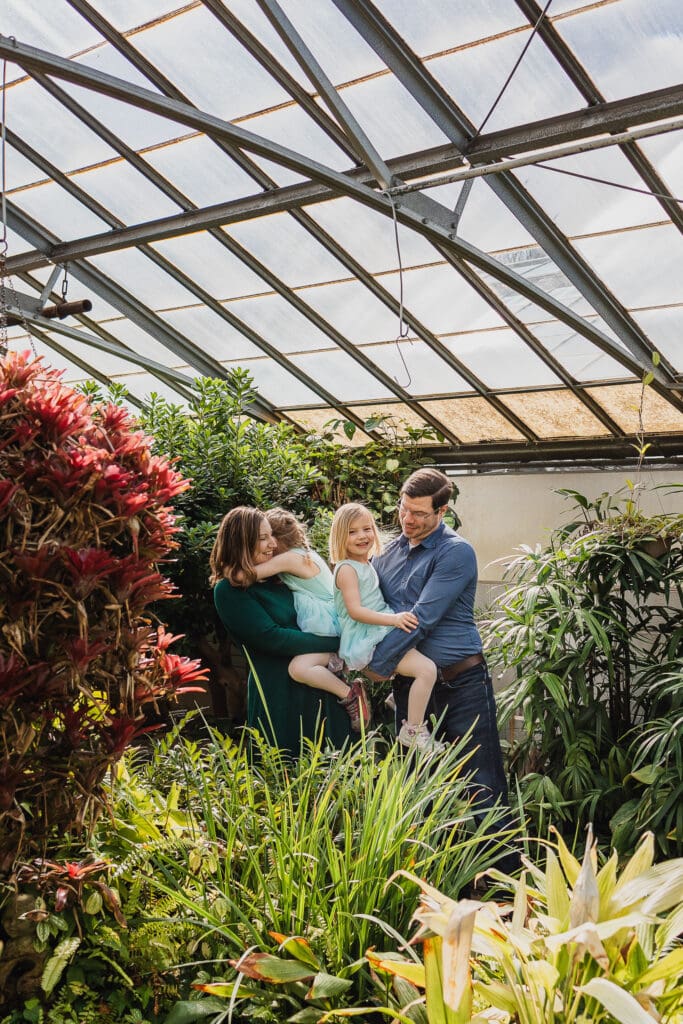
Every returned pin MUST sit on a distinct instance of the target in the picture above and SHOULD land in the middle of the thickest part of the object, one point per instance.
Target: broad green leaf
(190, 1010)
(264, 967)
(668, 967)
(297, 946)
(326, 986)
(499, 995)
(54, 967)
(570, 864)
(391, 465)
(407, 969)
(617, 1001)
(93, 904)
(556, 890)
(309, 1015)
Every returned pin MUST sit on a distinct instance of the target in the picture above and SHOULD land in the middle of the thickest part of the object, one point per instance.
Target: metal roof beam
(436, 102)
(362, 145)
(433, 223)
(97, 282)
(584, 83)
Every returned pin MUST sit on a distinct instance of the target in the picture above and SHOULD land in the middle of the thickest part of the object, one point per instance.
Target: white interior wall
(500, 512)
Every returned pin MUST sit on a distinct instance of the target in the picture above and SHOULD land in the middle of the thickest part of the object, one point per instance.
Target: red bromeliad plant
(84, 521)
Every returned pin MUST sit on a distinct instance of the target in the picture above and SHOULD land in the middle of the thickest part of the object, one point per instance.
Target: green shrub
(592, 625)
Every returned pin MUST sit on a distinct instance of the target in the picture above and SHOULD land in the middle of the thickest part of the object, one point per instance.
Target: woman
(261, 617)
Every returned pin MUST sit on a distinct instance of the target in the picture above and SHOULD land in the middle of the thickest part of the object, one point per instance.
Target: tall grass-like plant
(257, 848)
(592, 626)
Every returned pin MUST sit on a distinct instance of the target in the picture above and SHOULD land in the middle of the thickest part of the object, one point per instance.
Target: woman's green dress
(262, 619)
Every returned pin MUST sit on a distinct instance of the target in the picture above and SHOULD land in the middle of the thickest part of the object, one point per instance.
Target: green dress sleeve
(248, 621)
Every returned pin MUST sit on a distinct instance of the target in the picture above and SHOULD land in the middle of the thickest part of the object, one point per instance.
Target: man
(431, 571)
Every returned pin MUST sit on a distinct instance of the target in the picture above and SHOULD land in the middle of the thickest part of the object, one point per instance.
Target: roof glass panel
(393, 121)
(126, 193)
(626, 42)
(139, 340)
(485, 222)
(209, 66)
(634, 279)
(20, 171)
(624, 404)
(432, 26)
(666, 153)
(316, 420)
(500, 358)
(54, 26)
(341, 375)
(533, 264)
(292, 127)
(473, 419)
(221, 179)
(664, 327)
(341, 52)
(279, 386)
(581, 207)
(146, 281)
(280, 323)
(555, 414)
(211, 334)
(474, 76)
(414, 366)
(68, 143)
(286, 248)
(127, 14)
(210, 265)
(369, 236)
(105, 362)
(353, 310)
(440, 298)
(58, 211)
(133, 125)
(582, 359)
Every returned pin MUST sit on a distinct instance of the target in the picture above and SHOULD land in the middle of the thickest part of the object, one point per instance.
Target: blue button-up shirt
(436, 580)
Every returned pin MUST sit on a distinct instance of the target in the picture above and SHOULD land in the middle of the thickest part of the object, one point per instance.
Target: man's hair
(429, 483)
(232, 556)
(287, 529)
(341, 524)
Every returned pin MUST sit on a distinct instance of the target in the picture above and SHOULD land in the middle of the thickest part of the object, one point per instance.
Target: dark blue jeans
(466, 703)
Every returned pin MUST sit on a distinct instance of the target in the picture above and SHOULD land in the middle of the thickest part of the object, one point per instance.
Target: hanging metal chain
(7, 292)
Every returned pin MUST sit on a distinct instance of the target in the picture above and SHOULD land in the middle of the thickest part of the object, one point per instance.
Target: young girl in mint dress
(309, 578)
(365, 617)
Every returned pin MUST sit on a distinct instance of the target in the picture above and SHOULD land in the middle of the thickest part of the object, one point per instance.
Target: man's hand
(405, 621)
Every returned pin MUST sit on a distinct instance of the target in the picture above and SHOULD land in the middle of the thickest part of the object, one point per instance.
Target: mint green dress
(314, 598)
(358, 640)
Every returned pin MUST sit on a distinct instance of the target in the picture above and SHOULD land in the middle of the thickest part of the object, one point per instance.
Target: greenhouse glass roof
(464, 214)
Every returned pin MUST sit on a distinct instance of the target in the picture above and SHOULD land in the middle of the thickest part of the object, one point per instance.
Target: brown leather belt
(450, 672)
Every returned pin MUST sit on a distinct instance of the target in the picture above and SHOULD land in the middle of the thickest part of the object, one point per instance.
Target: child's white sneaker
(420, 737)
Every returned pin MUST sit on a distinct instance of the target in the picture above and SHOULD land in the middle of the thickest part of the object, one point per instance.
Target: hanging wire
(7, 290)
(510, 76)
(605, 181)
(403, 329)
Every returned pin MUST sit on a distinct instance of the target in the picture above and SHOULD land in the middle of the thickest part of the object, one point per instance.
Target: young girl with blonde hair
(309, 578)
(365, 617)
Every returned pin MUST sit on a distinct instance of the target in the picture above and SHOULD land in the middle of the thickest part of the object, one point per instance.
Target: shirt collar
(430, 541)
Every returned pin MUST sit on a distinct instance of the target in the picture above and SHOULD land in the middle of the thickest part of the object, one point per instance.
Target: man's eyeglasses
(420, 516)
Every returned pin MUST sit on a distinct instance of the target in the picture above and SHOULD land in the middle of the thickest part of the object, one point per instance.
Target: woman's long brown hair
(232, 555)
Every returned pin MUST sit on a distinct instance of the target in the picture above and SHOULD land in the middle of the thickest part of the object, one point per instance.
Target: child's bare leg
(312, 670)
(423, 671)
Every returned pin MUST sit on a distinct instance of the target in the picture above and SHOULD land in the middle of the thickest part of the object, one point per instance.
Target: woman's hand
(405, 621)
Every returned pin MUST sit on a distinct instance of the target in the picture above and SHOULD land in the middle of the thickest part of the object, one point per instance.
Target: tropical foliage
(210, 849)
(577, 945)
(592, 626)
(84, 520)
